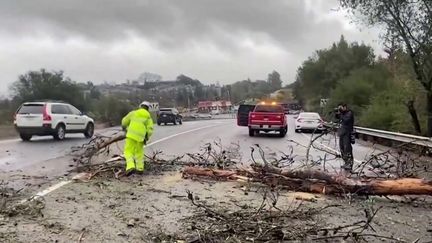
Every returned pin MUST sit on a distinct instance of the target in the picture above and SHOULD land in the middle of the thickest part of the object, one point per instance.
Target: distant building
(220, 106)
(119, 89)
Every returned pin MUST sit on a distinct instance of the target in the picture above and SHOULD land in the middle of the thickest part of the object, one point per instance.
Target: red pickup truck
(267, 118)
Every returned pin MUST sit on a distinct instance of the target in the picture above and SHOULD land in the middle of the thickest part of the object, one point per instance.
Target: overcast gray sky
(211, 40)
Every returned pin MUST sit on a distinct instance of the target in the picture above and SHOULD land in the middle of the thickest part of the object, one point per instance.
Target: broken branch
(319, 182)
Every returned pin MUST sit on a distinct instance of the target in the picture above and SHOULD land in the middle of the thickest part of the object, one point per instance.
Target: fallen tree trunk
(99, 144)
(105, 142)
(317, 181)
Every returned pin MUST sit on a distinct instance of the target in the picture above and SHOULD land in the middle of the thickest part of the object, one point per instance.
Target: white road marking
(52, 188)
(178, 134)
(64, 183)
(103, 130)
(46, 191)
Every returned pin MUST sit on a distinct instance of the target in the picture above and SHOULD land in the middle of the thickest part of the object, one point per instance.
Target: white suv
(51, 118)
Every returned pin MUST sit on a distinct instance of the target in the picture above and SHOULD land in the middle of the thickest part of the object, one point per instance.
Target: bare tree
(409, 22)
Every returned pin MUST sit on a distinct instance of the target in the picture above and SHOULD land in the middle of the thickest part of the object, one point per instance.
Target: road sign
(154, 106)
(323, 102)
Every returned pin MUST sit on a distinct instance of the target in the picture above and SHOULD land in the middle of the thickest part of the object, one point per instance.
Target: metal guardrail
(394, 136)
(213, 117)
(390, 136)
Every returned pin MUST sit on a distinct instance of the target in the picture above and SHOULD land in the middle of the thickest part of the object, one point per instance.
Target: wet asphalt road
(45, 156)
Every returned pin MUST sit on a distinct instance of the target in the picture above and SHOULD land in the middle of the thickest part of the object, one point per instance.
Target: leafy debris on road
(274, 171)
(210, 155)
(216, 155)
(10, 205)
(99, 144)
(53, 227)
(32, 208)
(269, 223)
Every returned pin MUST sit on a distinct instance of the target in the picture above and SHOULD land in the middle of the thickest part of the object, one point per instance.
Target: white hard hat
(145, 103)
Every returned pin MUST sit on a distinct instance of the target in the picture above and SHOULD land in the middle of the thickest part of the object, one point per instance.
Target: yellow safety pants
(134, 154)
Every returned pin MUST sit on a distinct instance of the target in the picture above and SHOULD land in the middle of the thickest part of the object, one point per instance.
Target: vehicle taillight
(252, 116)
(46, 116)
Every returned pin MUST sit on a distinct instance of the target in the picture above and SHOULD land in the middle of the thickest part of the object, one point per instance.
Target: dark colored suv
(243, 114)
(169, 115)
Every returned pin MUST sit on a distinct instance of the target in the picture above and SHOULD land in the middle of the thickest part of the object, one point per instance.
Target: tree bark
(317, 181)
(429, 113)
(98, 144)
(414, 118)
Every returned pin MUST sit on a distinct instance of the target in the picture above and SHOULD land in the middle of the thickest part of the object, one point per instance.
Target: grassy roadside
(7, 131)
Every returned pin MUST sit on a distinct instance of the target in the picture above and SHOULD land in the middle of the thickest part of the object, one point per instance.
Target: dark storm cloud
(169, 23)
(90, 39)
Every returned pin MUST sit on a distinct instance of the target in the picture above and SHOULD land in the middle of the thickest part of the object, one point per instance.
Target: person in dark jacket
(346, 120)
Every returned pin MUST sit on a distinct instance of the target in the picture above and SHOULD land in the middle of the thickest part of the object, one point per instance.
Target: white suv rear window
(31, 109)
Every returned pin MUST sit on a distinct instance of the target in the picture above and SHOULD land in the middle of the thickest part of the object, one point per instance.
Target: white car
(311, 121)
(51, 118)
(205, 116)
(215, 112)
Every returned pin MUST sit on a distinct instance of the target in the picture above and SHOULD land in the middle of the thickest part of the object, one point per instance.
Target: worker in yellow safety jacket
(139, 129)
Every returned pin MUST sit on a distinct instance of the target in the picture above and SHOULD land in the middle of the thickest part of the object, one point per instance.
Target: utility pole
(188, 100)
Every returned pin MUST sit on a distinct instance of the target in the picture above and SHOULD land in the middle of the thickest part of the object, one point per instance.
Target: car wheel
(283, 132)
(175, 122)
(251, 132)
(25, 137)
(89, 130)
(159, 123)
(60, 132)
